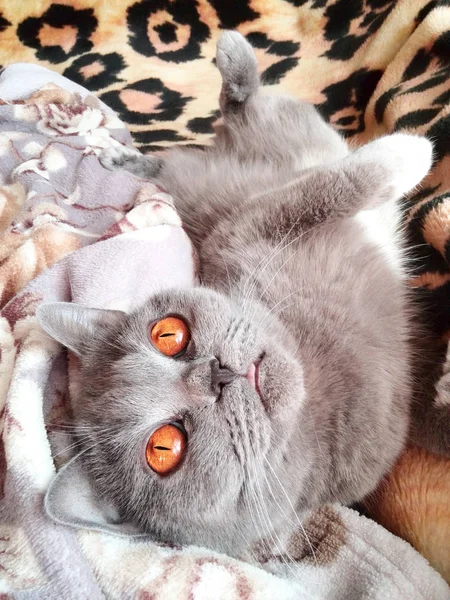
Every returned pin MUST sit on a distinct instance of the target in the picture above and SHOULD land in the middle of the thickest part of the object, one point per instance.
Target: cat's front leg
(129, 159)
(382, 171)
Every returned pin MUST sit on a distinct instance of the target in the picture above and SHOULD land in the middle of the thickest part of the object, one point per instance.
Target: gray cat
(282, 382)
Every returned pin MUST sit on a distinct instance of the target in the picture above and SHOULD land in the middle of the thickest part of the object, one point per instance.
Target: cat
(283, 381)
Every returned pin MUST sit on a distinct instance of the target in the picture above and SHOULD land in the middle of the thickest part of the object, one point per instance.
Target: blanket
(371, 66)
(115, 239)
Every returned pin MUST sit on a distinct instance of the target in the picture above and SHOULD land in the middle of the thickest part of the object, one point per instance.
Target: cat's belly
(382, 227)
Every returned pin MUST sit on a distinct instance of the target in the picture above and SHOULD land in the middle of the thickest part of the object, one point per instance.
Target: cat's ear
(75, 326)
(71, 500)
(392, 165)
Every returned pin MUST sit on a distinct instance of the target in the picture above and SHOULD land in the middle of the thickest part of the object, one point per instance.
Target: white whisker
(292, 507)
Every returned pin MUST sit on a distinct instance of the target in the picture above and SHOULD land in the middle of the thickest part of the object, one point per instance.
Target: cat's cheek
(281, 385)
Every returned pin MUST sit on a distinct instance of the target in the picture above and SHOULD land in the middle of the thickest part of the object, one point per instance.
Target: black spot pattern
(111, 65)
(354, 91)
(441, 49)
(277, 71)
(232, 16)
(180, 14)
(283, 48)
(423, 193)
(443, 98)
(167, 32)
(425, 11)
(4, 23)
(298, 2)
(59, 16)
(345, 48)
(440, 308)
(203, 124)
(416, 118)
(258, 39)
(429, 83)
(383, 101)
(440, 134)
(426, 257)
(286, 48)
(435, 63)
(418, 65)
(169, 108)
(147, 141)
(339, 17)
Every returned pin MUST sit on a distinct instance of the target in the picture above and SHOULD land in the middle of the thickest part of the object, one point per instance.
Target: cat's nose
(220, 376)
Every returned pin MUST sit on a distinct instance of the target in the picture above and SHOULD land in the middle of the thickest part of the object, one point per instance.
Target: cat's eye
(165, 448)
(170, 336)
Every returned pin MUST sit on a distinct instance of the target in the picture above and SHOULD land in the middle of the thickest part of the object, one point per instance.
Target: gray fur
(288, 274)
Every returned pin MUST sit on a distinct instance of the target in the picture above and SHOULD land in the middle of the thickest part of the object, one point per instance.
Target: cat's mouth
(252, 376)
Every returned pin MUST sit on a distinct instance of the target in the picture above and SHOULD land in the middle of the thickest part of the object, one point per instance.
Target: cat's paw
(237, 64)
(405, 158)
(119, 157)
(131, 160)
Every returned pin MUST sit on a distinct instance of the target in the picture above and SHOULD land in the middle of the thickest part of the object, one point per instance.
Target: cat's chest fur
(221, 215)
(338, 287)
(237, 251)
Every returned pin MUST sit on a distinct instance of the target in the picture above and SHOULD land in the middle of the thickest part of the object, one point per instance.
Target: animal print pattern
(371, 66)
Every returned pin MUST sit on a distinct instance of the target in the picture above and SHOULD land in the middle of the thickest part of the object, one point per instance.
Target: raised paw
(405, 160)
(237, 64)
(119, 157)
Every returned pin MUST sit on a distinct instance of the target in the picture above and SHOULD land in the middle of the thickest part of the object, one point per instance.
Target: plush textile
(118, 239)
(372, 66)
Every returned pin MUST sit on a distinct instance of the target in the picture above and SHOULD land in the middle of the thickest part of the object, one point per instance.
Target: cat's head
(185, 410)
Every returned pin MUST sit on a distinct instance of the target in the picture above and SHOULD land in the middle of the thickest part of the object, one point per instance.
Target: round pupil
(170, 335)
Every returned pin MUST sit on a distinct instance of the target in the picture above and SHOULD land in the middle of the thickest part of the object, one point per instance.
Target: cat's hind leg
(258, 125)
(237, 64)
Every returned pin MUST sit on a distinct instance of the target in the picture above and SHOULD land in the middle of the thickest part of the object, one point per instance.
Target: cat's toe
(118, 157)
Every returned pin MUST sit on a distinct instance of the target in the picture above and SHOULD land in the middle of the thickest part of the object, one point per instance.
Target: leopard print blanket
(371, 66)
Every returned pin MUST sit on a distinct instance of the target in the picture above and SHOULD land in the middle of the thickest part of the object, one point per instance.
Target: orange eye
(165, 449)
(170, 336)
